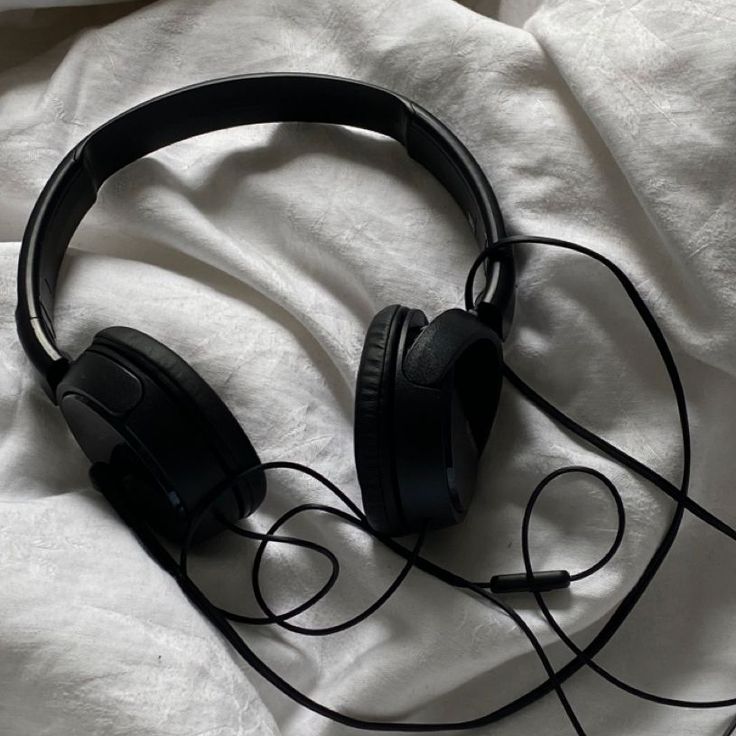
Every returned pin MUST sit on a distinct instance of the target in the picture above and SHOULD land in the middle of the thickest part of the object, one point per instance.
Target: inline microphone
(538, 582)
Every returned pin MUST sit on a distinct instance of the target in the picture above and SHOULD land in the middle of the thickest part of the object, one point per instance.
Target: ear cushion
(458, 342)
(374, 458)
(229, 441)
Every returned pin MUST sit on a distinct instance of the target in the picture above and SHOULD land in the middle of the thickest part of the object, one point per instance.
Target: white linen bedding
(260, 255)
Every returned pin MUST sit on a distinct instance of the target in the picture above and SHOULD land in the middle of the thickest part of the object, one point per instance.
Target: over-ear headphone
(172, 459)
(426, 393)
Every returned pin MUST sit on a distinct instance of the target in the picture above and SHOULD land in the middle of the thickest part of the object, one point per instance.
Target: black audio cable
(222, 618)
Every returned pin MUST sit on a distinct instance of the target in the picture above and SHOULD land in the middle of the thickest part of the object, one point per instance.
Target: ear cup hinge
(496, 303)
(54, 375)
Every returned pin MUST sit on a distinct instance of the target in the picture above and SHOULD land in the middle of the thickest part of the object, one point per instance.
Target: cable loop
(353, 515)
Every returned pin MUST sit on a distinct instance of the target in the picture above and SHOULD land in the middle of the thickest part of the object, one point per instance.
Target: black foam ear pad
(374, 396)
(458, 343)
(198, 400)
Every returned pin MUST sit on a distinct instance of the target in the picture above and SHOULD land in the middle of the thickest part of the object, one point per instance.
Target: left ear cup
(134, 404)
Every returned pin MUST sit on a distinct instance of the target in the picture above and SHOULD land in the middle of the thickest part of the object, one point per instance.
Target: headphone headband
(223, 103)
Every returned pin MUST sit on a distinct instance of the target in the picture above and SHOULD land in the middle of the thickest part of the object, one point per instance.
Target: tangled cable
(351, 514)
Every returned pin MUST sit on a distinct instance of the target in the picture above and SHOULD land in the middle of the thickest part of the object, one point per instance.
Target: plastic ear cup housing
(136, 406)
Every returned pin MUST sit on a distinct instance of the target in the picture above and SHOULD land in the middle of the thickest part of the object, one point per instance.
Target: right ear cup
(425, 400)
(135, 405)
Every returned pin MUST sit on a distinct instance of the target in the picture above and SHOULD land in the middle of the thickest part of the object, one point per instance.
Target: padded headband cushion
(190, 389)
(373, 399)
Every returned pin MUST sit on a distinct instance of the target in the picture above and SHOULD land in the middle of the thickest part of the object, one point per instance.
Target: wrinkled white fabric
(25, 4)
(260, 255)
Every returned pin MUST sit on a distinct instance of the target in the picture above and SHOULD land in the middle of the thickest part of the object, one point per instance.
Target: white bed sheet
(260, 255)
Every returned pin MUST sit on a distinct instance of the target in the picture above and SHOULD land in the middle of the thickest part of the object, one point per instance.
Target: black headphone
(172, 459)
(426, 393)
